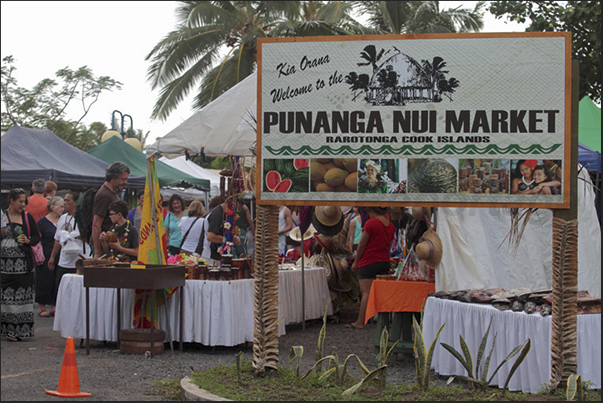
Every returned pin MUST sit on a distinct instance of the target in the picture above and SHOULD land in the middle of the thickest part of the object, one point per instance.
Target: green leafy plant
(384, 355)
(334, 369)
(296, 353)
(574, 387)
(321, 337)
(238, 358)
(422, 356)
(480, 379)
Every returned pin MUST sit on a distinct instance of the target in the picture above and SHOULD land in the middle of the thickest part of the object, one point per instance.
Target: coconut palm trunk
(265, 328)
(565, 301)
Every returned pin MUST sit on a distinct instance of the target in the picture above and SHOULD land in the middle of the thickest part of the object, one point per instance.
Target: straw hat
(328, 220)
(429, 248)
(295, 233)
(417, 213)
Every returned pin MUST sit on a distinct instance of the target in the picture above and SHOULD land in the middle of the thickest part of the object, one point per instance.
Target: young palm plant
(480, 379)
(422, 356)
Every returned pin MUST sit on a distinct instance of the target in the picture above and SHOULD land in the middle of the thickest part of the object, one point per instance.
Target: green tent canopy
(115, 149)
(589, 124)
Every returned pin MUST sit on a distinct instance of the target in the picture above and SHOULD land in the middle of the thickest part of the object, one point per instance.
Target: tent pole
(303, 285)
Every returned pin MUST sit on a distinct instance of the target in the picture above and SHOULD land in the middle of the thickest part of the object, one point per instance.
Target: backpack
(83, 215)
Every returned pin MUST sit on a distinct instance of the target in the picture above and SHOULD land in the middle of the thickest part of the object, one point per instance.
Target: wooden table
(396, 302)
(153, 277)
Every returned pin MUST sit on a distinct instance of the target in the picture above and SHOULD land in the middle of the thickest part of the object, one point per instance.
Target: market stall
(216, 312)
(512, 329)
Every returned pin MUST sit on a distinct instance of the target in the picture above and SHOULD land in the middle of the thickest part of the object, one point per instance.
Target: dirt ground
(33, 365)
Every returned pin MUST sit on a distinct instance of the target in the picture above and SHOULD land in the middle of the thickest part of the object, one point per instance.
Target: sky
(111, 38)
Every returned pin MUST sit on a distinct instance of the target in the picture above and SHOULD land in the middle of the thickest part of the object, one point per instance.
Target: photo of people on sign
(485, 176)
(536, 177)
(382, 176)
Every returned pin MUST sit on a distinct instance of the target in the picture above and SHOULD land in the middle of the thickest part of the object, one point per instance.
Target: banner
(478, 120)
(153, 243)
(152, 248)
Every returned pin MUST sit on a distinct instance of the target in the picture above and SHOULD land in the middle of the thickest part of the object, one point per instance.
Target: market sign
(475, 120)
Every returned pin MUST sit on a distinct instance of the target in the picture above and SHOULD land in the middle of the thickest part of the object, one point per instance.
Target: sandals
(43, 314)
(52, 313)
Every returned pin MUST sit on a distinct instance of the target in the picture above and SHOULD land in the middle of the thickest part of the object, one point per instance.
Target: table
(513, 328)
(397, 302)
(151, 278)
(216, 313)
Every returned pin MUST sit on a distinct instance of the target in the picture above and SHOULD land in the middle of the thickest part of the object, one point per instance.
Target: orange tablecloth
(397, 296)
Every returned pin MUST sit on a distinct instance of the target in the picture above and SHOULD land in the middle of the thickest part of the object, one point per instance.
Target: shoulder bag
(189, 230)
(37, 253)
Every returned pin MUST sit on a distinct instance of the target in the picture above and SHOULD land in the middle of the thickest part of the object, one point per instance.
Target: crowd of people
(362, 236)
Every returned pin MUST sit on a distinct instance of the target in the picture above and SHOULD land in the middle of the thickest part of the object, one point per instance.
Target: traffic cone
(69, 382)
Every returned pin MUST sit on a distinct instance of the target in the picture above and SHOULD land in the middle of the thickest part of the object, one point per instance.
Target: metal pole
(303, 285)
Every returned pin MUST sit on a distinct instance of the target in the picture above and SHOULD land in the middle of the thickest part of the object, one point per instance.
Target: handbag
(37, 253)
(73, 245)
(411, 270)
(70, 241)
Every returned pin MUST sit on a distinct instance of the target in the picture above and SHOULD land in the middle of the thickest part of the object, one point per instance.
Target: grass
(283, 385)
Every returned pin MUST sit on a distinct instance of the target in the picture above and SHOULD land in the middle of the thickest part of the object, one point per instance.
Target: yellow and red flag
(153, 246)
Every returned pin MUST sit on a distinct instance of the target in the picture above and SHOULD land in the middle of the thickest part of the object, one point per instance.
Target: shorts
(370, 271)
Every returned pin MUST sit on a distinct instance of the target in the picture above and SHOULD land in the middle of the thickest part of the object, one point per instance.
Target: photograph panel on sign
(334, 175)
(484, 176)
(432, 175)
(536, 177)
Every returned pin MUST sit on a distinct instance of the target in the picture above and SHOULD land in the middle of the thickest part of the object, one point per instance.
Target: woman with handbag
(191, 226)
(67, 243)
(17, 269)
(46, 278)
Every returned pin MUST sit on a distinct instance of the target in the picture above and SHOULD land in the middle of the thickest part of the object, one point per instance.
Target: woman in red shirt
(372, 256)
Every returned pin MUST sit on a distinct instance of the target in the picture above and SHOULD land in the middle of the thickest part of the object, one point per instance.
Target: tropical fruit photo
(334, 174)
(286, 175)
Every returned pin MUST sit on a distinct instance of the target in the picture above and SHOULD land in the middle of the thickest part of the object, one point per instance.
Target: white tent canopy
(195, 170)
(226, 126)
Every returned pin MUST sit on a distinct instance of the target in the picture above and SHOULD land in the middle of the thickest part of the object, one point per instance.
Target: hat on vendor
(429, 248)
(328, 220)
(295, 233)
(419, 213)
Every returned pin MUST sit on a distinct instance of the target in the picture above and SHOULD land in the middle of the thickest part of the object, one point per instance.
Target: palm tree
(317, 18)
(414, 17)
(215, 43)
(195, 49)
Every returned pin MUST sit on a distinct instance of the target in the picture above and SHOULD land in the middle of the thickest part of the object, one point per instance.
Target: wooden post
(565, 262)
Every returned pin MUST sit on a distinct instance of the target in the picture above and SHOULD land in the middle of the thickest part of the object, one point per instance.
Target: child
(544, 181)
(127, 234)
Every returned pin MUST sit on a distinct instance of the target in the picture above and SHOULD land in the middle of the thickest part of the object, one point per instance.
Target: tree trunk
(265, 328)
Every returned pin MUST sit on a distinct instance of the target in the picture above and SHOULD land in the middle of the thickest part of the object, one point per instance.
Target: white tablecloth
(512, 328)
(216, 313)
